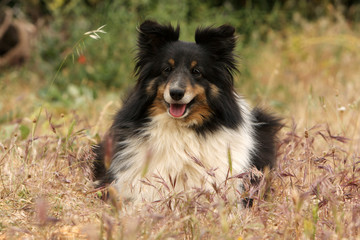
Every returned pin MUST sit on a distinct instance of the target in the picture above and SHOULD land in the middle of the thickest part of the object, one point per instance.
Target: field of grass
(308, 73)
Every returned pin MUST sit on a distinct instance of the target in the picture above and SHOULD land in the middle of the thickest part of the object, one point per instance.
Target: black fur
(214, 51)
(266, 128)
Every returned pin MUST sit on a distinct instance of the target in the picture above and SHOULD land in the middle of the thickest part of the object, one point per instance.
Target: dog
(183, 125)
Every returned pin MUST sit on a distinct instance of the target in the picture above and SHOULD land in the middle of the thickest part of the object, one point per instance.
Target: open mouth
(178, 110)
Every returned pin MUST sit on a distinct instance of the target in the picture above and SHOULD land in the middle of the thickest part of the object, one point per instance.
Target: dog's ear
(220, 41)
(153, 36)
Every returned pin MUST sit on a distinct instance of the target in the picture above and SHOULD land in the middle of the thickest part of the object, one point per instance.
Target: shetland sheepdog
(183, 125)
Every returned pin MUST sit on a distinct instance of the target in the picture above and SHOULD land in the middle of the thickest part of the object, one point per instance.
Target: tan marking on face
(214, 90)
(200, 110)
(171, 62)
(193, 64)
(149, 88)
(158, 106)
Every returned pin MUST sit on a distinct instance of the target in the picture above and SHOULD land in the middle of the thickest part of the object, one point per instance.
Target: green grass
(308, 73)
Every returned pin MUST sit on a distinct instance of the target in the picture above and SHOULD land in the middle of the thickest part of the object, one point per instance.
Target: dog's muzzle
(178, 100)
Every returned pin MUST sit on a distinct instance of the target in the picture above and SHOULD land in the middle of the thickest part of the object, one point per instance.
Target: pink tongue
(177, 110)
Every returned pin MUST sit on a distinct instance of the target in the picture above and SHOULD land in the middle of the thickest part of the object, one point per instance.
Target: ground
(309, 75)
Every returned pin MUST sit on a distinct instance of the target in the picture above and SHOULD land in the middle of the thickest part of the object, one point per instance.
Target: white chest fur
(169, 151)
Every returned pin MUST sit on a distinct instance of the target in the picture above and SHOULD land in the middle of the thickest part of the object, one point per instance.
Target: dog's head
(192, 82)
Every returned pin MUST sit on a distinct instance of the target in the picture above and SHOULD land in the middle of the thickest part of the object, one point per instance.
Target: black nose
(177, 93)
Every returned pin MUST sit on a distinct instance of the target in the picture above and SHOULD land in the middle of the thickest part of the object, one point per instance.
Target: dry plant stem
(313, 194)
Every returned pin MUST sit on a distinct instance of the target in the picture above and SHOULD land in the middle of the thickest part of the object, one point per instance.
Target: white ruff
(170, 149)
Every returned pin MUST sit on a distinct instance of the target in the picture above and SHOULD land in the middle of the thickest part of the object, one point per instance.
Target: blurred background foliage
(66, 64)
(300, 58)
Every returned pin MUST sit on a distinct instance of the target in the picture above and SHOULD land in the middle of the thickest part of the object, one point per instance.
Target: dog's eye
(167, 70)
(195, 71)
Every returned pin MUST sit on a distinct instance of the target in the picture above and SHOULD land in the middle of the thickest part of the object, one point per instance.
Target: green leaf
(99, 194)
(24, 132)
(71, 129)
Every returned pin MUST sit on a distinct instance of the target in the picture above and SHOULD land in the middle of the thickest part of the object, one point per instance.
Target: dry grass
(314, 191)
